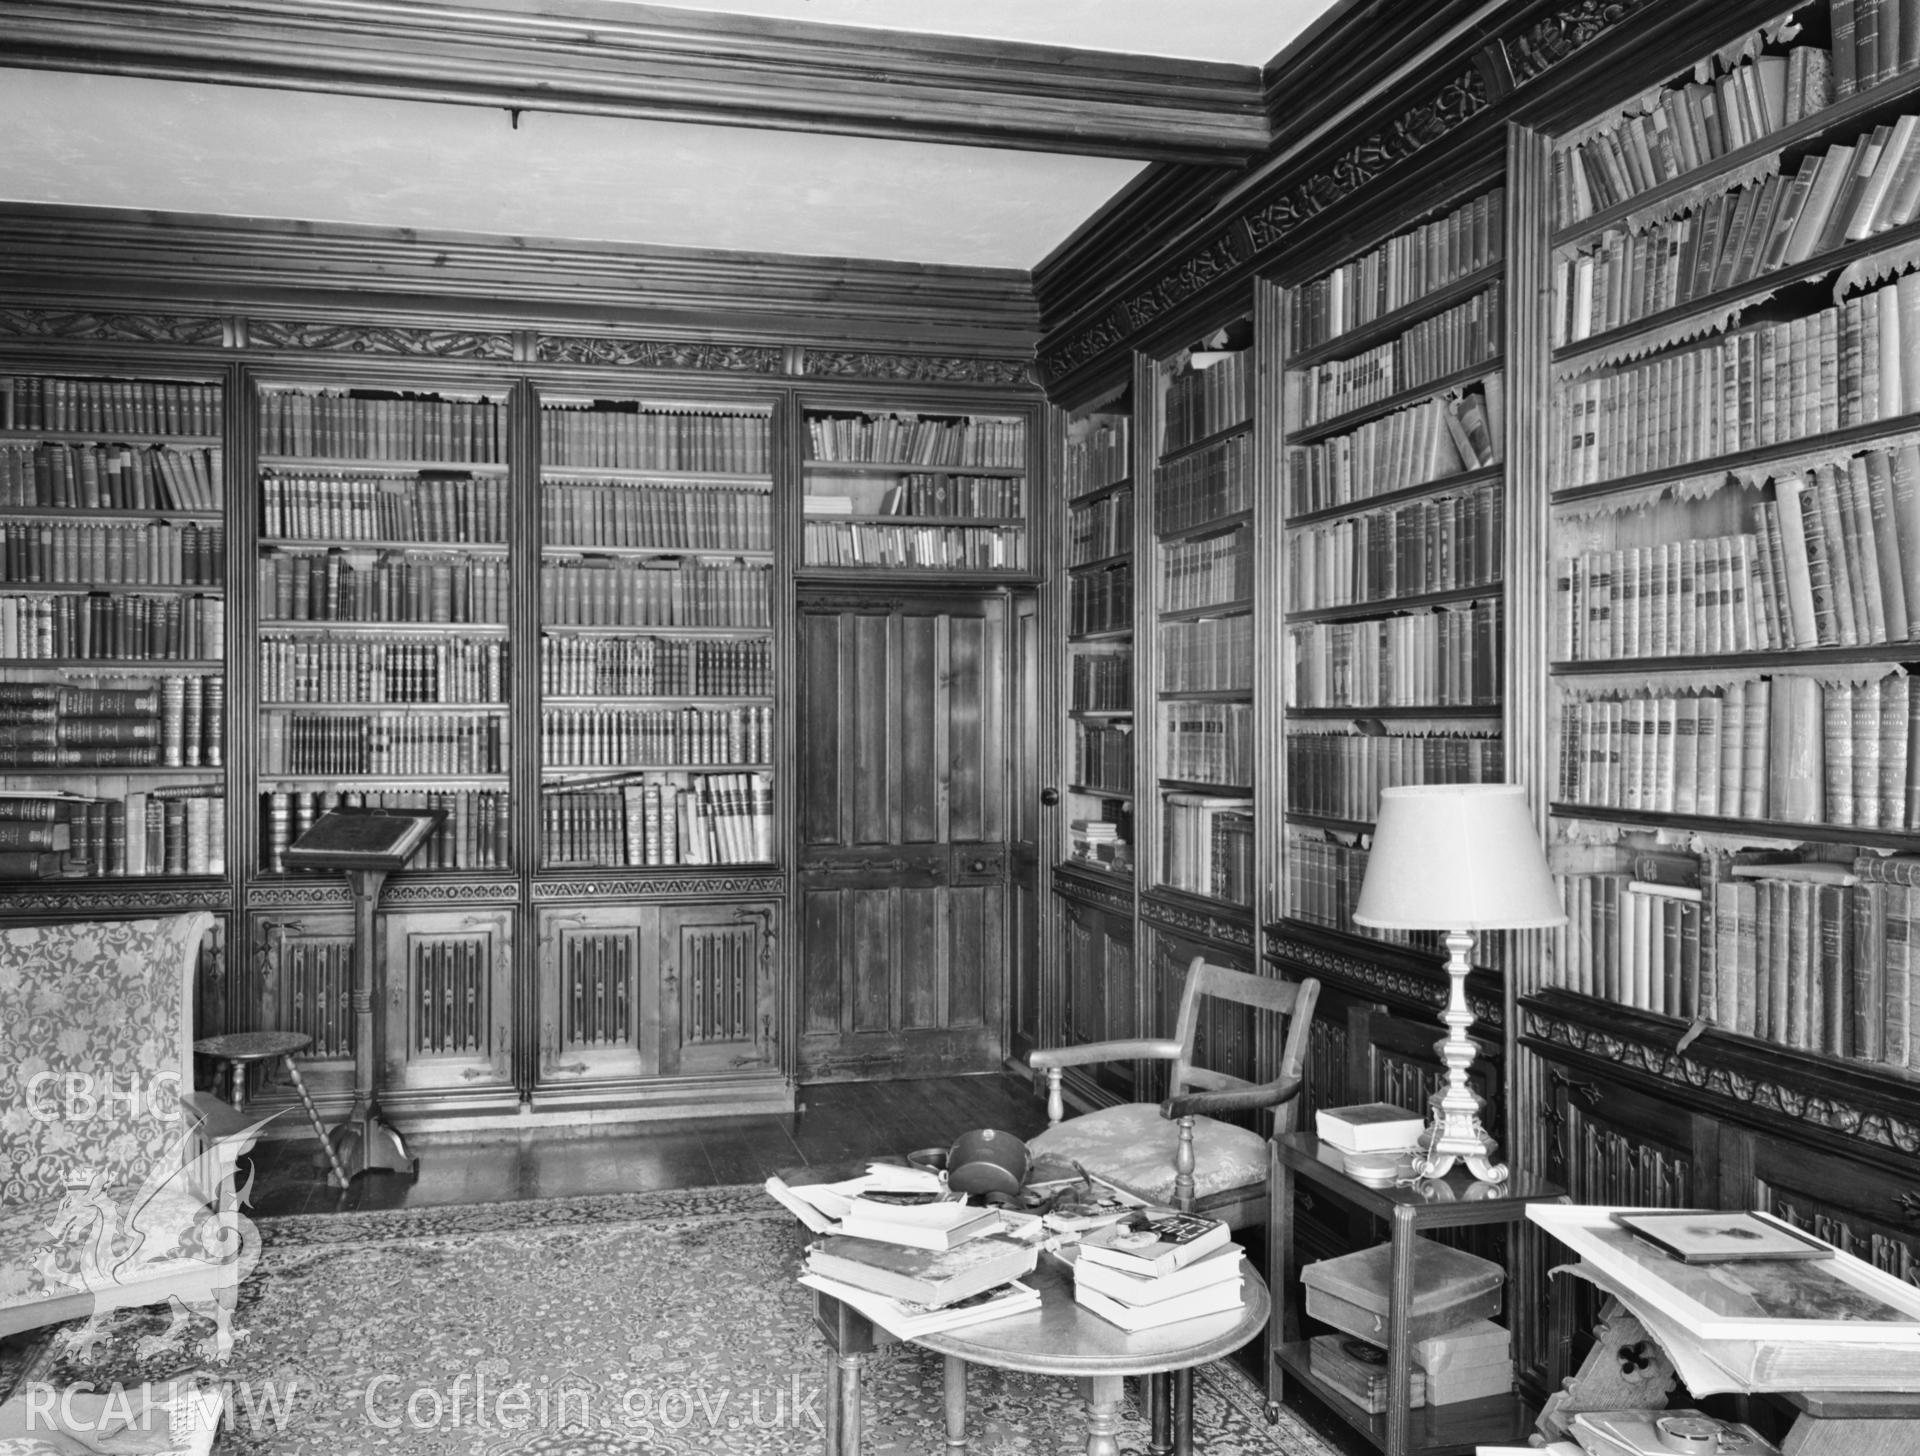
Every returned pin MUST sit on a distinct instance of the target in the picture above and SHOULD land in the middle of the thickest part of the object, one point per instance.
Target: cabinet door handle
(1909, 1204)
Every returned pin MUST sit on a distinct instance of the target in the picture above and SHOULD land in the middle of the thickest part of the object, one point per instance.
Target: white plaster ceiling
(96, 140)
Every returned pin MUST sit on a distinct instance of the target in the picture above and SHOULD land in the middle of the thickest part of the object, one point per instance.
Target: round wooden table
(1061, 1338)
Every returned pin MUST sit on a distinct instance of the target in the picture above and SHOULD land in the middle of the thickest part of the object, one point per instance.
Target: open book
(1794, 1324)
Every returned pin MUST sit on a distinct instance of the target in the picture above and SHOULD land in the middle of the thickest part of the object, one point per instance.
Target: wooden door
(903, 788)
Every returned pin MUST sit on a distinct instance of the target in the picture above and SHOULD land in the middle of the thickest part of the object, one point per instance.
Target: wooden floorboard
(837, 1122)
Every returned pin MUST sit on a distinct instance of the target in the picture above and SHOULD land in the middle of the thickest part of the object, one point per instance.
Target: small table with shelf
(1456, 1201)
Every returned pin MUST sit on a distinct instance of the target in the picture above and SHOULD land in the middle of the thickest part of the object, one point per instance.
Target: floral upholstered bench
(116, 1178)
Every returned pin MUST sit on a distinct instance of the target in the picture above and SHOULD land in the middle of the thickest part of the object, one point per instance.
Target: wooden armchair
(1178, 1152)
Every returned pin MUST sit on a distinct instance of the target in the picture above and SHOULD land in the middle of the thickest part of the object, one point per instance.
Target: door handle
(1049, 797)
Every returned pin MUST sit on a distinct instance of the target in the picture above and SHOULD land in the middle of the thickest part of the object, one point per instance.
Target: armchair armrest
(1103, 1051)
(1239, 1099)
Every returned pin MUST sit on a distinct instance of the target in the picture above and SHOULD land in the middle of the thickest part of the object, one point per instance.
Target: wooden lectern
(369, 844)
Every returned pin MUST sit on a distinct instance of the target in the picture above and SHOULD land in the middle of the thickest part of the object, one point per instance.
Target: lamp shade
(1457, 857)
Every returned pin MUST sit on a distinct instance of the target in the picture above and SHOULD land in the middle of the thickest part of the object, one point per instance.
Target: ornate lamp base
(1456, 1135)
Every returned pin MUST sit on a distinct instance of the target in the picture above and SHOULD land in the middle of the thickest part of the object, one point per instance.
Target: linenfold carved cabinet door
(657, 990)
(443, 1018)
(903, 825)
(448, 1015)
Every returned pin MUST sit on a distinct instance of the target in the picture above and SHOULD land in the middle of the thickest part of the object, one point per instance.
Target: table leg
(319, 1130)
(1159, 1413)
(843, 1406)
(955, 1378)
(1103, 1414)
(1399, 1347)
(1183, 1412)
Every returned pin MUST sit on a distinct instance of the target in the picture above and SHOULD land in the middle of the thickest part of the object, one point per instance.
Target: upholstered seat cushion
(94, 1239)
(1133, 1145)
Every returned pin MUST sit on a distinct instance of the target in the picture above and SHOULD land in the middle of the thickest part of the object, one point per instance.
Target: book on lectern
(363, 839)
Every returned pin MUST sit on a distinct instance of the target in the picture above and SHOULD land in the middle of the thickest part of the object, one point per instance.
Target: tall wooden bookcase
(1684, 536)
(556, 600)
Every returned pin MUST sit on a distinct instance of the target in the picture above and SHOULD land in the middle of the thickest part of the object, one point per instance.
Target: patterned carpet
(666, 1323)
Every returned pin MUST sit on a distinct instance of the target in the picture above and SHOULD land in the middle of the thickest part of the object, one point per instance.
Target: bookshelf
(657, 683)
(1202, 616)
(1099, 535)
(1394, 499)
(383, 591)
(113, 604)
(914, 492)
(1732, 459)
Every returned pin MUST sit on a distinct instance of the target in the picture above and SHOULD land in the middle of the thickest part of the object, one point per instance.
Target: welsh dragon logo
(179, 1239)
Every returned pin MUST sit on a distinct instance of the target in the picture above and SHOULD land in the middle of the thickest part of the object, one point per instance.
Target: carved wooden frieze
(1093, 894)
(1501, 65)
(387, 340)
(88, 326)
(658, 354)
(1183, 921)
(114, 900)
(1875, 1126)
(914, 368)
(294, 893)
(1372, 978)
(1178, 284)
(657, 886)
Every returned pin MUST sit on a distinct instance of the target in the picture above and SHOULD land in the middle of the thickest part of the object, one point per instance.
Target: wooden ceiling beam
(604, 58)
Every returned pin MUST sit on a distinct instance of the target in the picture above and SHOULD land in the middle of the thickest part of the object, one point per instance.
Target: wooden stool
(240, 1049)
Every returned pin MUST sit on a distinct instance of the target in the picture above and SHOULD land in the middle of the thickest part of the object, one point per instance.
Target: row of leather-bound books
(384, 506)
(367, 424)
(1811, 956)
(1786, 748)
(137, 406)
(1399, 272)
(52, 475)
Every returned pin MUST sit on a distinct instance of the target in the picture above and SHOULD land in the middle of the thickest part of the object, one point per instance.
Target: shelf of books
(915, 492)
(383, 588)
(113, 682)
(1099, 507)
(1735, 466)
(1203, 619)
(1395, 500)
(657, 668)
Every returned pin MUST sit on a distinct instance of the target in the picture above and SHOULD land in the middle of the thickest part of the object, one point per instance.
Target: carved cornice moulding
(619, 353)
(1078, 891)
(1491, 75)
(1743, 1089)
(396, 892)
(915, 368)
(377, 339)
(395, 341)
(106, 327)
(653, 63)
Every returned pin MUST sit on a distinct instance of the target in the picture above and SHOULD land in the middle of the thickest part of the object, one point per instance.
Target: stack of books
(1157, 1268)
(913, 1291)
(1372, 1142)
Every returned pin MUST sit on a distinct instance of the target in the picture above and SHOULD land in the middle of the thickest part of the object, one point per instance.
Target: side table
(1058, 1338)
(1456, 1201)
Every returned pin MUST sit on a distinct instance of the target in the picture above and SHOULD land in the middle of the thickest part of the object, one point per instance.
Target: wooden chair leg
(1183, 1168)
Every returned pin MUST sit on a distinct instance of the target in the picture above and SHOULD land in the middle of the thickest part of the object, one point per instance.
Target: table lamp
(1457, 858)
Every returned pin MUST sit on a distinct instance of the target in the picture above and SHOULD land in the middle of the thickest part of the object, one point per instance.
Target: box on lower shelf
(1450, 1288)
